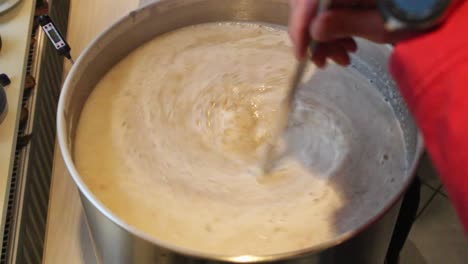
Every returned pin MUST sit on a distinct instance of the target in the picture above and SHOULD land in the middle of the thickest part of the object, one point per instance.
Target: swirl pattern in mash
(169, 138)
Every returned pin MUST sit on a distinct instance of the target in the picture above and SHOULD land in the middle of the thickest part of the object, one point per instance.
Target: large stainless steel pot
(118, 242)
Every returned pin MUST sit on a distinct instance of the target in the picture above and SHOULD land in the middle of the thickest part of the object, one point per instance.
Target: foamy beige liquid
(171, 140)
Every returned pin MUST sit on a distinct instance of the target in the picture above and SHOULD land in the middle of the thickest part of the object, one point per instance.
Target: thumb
(343, 23)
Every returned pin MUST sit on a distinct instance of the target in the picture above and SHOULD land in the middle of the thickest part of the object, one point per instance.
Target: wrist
(419, 15)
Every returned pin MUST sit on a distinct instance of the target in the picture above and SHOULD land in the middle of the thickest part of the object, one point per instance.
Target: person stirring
(429, 64)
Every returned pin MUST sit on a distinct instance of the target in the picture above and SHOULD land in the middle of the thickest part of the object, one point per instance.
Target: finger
(300, 18)
(336, 24)
(337, 53)
(349, 44)
(335, 50)
(353, 4)
(341, 57)
(319, 58)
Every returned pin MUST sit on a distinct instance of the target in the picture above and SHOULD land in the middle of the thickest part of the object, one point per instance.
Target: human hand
(335, 27)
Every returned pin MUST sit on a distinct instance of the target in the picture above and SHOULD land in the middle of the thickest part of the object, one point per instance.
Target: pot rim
(84, 190)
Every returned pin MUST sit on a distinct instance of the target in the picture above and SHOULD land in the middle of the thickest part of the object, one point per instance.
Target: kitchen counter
(67, 236)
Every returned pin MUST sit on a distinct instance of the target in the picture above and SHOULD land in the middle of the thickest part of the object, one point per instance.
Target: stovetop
(17, 188)
(15, 28)
(7, 5)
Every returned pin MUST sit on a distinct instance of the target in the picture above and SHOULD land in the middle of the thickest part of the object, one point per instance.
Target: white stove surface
(6, 5)
(15, 30)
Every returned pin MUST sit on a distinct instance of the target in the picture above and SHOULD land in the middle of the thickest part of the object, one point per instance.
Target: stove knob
(3, 104)
(29, 82)
(4, 80)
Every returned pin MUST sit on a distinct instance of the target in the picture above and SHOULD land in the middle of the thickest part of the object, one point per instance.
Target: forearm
(432, 73)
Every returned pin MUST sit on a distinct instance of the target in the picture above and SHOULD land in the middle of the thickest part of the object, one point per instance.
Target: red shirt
(432, 73)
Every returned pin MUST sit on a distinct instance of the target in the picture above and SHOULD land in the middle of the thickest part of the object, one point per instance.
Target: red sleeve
(432, 73)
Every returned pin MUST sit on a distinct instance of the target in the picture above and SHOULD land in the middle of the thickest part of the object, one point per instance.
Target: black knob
(4, 80)
(3, 104)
